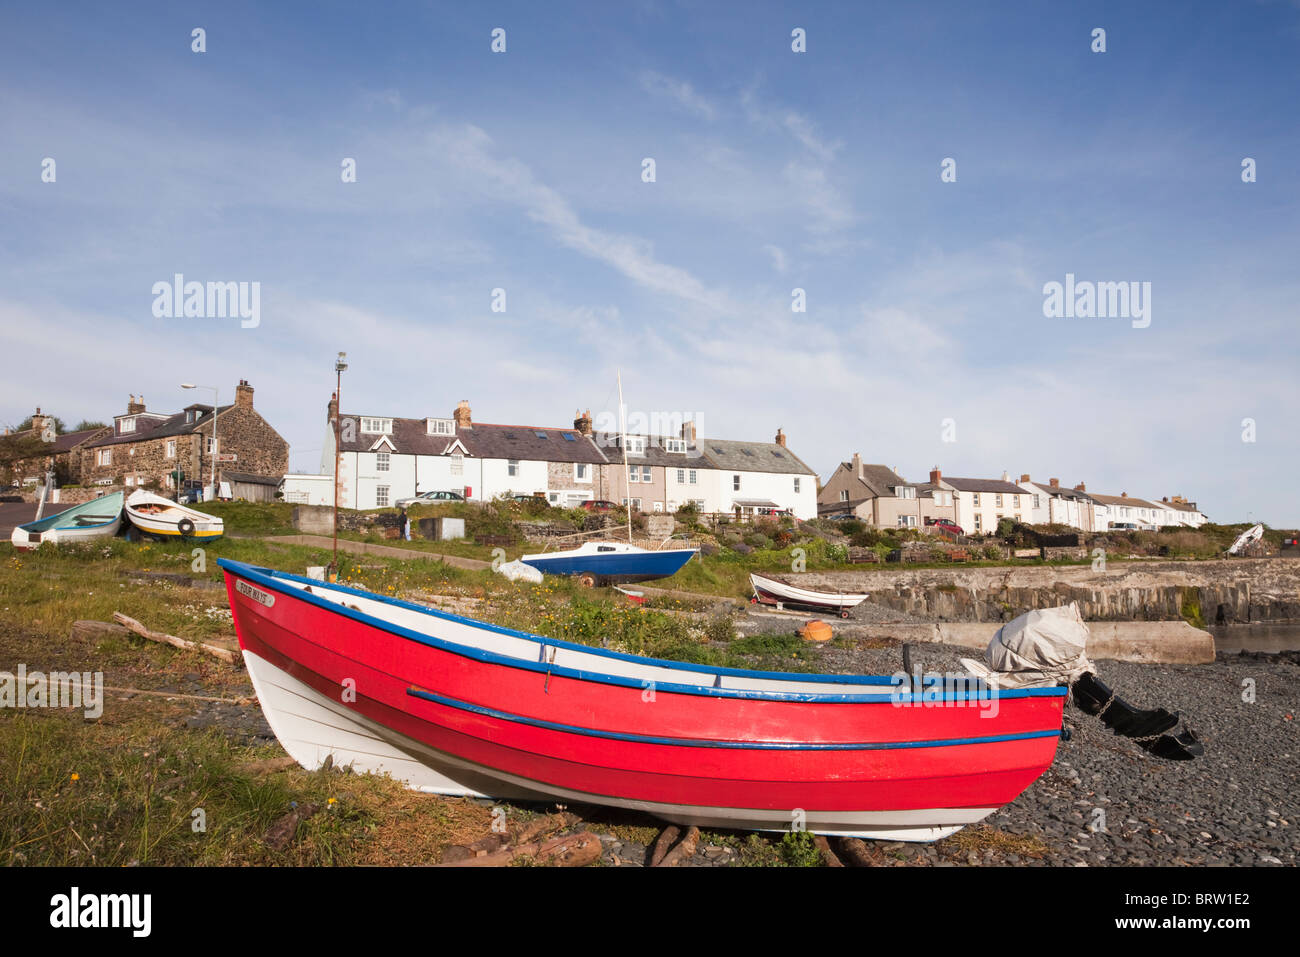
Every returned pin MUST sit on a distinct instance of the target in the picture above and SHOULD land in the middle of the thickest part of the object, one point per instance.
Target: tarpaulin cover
(1046, 646)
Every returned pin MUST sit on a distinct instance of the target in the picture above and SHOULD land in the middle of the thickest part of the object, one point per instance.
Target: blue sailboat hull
(614, 567)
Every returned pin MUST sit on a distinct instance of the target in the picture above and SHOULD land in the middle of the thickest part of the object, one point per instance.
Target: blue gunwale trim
(272, 579)
(713, 743)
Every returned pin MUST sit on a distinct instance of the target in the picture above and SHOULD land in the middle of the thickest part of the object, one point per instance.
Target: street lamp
(340, 366)
(215, 403)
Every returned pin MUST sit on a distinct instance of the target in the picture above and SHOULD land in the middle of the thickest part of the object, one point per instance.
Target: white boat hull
(312, 727)
(773, 590)
(168, 523)
(62, 536)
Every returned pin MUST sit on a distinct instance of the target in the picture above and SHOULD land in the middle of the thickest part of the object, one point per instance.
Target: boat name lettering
(264, 598)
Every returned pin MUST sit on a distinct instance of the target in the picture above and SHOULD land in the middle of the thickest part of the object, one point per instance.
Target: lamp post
(340, 366)
(215, 403)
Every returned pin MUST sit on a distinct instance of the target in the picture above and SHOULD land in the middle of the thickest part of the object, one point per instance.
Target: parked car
(430, 498)
(946, 525)
(191, 492)
(1123, 526)
(600, 505)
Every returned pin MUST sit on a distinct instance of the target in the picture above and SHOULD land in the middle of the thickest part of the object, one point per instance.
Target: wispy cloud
(678, 91)
(471, 149)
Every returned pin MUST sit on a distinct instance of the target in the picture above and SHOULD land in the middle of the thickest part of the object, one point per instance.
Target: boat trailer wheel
(185, 527)
(843, 613)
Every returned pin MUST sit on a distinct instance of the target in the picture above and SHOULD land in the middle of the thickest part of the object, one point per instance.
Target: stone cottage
(147, 448)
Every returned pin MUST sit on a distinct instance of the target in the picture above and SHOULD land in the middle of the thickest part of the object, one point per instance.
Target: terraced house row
(882, 498)
(385, 459)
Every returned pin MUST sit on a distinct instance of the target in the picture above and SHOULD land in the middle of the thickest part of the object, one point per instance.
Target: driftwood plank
(225, 654)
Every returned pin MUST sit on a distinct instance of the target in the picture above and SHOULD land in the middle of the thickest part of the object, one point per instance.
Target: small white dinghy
(99, 518)
(162, 518)
(774, 591)
(1247, 538)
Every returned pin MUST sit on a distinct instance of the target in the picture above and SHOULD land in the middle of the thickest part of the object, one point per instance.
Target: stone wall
(147, 459)
(559, 477)
(1243, 590)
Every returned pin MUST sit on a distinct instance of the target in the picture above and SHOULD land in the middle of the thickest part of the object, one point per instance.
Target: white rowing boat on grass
(162, 518)
(774, 591)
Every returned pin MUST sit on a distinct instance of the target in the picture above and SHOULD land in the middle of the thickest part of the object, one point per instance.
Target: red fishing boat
(455, 706)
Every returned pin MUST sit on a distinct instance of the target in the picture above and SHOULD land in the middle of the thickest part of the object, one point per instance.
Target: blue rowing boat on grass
(99, 518)
(604, 563)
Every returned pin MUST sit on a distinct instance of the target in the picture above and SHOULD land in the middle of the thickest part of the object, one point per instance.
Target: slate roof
(655, 452)
(983, 485)
(149, 429)
(70, 440)
(880, 479)
(1123, 500)
(1061, 491)
(540, 443)
(484, 440)
(751, 457)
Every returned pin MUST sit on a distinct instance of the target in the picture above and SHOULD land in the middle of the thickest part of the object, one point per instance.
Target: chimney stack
(1006, 476)
(42, 425)
(688, 432)
(1081, 487)
(1054, 483)
(332, 411)
(582, 422)
(135, 406)
(935, 475)
(461, 415)
(857, 465)
(243, 395)
(1024, 478)
(780, 437)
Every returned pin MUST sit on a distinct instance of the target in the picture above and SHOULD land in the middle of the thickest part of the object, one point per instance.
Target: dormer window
(439, 427)
(675, 445)
(126, 425)
(636, 445)
(376, 426)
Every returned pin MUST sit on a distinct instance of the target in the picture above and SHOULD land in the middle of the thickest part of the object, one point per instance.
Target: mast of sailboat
(627, 482)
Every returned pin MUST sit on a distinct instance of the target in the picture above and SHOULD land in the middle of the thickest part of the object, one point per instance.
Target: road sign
(227, 457)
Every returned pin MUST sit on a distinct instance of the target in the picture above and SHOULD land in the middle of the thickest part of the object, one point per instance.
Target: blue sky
(774, 170)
